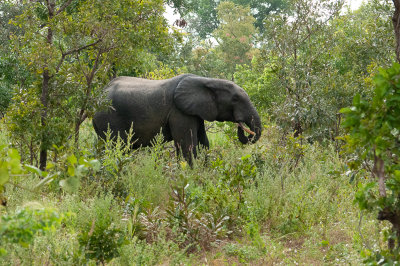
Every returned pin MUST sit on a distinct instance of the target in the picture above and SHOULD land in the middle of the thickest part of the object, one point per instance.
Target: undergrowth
(280, 200)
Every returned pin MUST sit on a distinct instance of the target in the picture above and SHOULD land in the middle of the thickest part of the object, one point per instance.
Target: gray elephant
(177, 107)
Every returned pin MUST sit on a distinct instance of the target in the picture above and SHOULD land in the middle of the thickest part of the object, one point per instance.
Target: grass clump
(277, 201)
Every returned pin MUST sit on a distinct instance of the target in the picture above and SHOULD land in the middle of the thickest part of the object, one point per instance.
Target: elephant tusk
(246, 129)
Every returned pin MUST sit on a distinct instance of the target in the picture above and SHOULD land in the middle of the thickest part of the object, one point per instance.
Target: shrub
(100, 232)
(22, 226)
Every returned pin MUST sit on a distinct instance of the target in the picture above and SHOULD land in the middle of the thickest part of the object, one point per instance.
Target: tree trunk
(387, 213)
(43, 120)
(396, 26)
(45, 94)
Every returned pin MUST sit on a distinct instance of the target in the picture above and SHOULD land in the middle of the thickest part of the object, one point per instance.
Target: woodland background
(321, 186)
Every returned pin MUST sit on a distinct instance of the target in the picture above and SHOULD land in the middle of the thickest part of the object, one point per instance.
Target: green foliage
(261, 83)
(188, 221)
(299, 63)
(244, 253)
(20, 228)
(69, 172)
(76, 169)
(234, 35)
(283, 200)
(204, 60)
(203, 19)
(100, 237)
(364, 37)
(374, 125)
(9, 165)
(5, 97)
(163, 72)
(116, 152)
(237, 177)
(373, 141)
(229, 207)
(70, 59)
(12, 72)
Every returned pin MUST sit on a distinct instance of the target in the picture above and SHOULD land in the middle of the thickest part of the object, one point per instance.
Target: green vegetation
(373, 140)
(321, 186)
(267, 203)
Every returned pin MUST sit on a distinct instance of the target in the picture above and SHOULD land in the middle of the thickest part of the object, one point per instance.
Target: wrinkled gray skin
(177, 106)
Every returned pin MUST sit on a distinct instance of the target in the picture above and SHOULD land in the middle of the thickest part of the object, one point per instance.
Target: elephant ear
(194, 96)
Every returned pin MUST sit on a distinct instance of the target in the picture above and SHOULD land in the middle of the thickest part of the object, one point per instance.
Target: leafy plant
(116, 152)
(9, 165)
(236, 177)
(373, 140)
(99, 235)
(187, 219)
(20, 228)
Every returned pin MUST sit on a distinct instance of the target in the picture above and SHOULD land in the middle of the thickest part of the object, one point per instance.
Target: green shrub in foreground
(22, 226)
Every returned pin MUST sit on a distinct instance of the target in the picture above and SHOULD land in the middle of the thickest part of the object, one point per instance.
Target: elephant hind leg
(106, 121)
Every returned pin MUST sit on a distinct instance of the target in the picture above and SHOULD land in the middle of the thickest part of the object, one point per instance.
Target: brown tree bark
(396, 26)
(45, 92)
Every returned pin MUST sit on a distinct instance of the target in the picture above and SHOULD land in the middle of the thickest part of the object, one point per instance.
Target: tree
(373, 128)
(234, 35)
(11, 72)
(364, 38)
(72, 48)
(202, 14)
(372, 140)
(396, 26)
(297, 44)
(204, 60)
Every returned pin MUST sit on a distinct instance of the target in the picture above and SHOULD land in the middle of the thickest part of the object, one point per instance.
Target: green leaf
(70, 184)
(47, 180)
(96, 165)
(72, 159)
(346, 110)
(33, 169)
(71, 171)
(80, 170)
(50, 165)
(14, 154)
(2, 252)
(324, 243)
(4, 176)
(82, 160)
(356, 99)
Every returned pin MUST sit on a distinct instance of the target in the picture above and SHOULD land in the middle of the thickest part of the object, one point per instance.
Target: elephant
(176, 107)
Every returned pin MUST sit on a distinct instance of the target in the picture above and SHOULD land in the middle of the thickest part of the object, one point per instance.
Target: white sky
(354, 4)
(169, 14)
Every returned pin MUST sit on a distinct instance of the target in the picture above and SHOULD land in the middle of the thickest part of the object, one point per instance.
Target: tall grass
(277, 201)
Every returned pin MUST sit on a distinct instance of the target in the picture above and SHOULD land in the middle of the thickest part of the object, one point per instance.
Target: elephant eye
(235, 98)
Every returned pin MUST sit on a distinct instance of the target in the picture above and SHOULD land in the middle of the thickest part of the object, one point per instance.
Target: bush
(22, 226)
(100, 233)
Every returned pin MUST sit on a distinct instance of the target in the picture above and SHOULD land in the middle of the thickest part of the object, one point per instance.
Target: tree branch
(64, 6)
(75, 51)
(50, 8)
(82, 48)
(379, 171)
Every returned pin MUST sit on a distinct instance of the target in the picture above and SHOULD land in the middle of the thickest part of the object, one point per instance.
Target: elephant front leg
(184, 131)
(186, 145)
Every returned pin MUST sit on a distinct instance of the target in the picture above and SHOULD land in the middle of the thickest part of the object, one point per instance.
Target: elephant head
(219, 100)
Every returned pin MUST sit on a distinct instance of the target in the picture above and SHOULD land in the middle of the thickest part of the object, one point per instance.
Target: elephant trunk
(254, 123)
